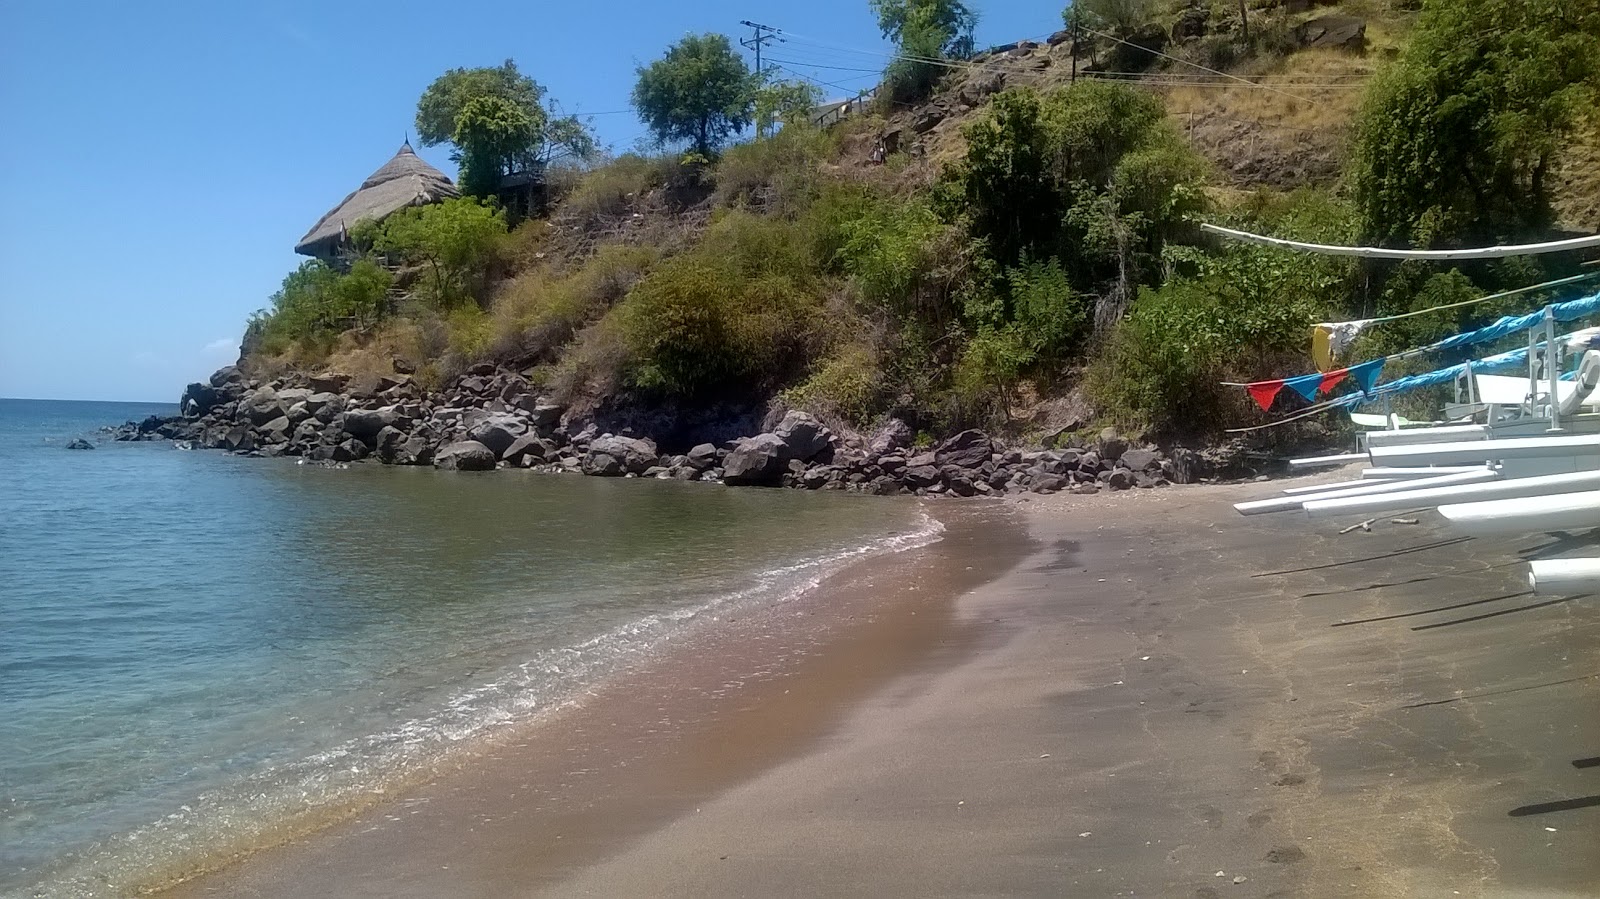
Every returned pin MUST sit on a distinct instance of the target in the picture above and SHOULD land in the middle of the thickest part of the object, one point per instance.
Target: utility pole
(1077, 17)
(1244, 20)
(764, 33)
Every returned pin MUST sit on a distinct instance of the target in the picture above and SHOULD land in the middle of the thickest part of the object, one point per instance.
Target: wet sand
(1110, 695)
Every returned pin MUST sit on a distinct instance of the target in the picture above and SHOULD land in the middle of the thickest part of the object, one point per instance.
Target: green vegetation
(1456, 140)
(1045, 249)
(316, 303)
(700, 92)
(925, 33)
(453, 241)
(494, 119)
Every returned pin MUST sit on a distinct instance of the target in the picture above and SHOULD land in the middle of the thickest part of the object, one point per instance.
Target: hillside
(1014, 251)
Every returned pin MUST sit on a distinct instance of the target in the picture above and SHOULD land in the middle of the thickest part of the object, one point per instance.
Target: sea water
(196, 648)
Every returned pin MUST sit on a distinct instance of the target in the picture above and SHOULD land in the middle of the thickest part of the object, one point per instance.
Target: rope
(1498, 252)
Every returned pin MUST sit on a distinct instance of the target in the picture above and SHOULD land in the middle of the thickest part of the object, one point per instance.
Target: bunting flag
(1331, 379)
(1366, 375)
(1305, 385)
(1264, 392)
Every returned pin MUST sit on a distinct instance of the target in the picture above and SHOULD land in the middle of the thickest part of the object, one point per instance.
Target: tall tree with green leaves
(784, 102)
(924, 32)
(1456, 139)
(700, 92)
(496, 120)
(951, 20)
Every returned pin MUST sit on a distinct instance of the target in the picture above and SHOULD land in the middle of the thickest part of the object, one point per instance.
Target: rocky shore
(491, 418)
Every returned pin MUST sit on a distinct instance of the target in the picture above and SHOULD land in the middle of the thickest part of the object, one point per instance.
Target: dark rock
(1049, 483)
(1059, 37)
(227, 376)
(603, 465)
(261, 407)
(530, 446)
(968, 449)
(417, 450)
(635, 455)
(482, 370)
(961, 486)
(1120, 479)
(1141, 460)
(891, 435)
(351, 450)
(198, 399)
(364, 424)
(332, 382)
(80, 444)
(1345, 33)
(1111, 445)
(497, 431)
(756, 460)
(1137, 51)
(465, 455)
(1192, 23)
(276, 430)
(920, 476)
(927, 118)
(803, 436)
(388, 443)
(702, 457)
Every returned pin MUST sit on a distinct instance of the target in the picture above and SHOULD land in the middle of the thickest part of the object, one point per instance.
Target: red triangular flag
(1332, 378)
(1264, 392)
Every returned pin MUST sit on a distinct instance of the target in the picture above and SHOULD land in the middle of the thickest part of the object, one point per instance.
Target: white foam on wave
(279, 801)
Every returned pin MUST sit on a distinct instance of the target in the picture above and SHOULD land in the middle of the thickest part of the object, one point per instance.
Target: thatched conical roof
(403, 181)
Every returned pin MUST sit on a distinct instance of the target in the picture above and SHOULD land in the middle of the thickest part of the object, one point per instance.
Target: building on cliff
(401, 182)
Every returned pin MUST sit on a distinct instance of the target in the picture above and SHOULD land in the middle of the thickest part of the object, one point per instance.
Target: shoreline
(723, 693)
(1155, 693)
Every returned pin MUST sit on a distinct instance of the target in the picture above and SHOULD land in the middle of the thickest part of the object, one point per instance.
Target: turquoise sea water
(195, 647)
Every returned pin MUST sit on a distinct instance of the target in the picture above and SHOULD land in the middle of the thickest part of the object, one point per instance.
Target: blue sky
(162, 158)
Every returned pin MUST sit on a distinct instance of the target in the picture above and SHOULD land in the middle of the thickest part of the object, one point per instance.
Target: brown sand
(1159, 692)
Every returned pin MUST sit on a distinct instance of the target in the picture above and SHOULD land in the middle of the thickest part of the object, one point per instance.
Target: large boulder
(387, 444)
(365, 424)
(802, 435)
(261, 406)
(530, 447)
(495, 430)
(1345, 33)
(80, 444)
(701, 457)
(758, 460)
(603, 465)
(968, 449)
(276, 430)
(198, 399)
(635, 455)
(891, 435)
(465, 455)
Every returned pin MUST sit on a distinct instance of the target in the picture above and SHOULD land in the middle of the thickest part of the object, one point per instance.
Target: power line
(764, 33)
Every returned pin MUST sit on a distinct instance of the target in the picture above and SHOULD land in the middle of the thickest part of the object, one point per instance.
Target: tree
(1455, 140)
(701, 92)
(924, 32)
(1121, 16)
(494, 119)
(785, 102)
(950, 20)
(455, 240)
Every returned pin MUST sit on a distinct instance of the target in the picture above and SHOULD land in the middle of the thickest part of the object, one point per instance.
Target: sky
(163, 158)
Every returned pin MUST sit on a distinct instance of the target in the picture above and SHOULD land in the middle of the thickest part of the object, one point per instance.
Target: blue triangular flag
(1305, 385)
(1366, 375)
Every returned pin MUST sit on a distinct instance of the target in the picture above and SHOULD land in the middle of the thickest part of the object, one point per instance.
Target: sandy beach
(1141, 695)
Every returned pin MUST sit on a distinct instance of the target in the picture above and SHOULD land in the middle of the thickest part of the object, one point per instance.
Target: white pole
(1488, 450)
(1564, 576)
(1394, 474)
(1287, 503)
(1324, 488)
(1511, 488)
(1552, 364)
(1448, 434)
(1327, 460)
(1525, 515)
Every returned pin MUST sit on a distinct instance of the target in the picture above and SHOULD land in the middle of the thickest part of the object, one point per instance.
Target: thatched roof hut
(403, 181)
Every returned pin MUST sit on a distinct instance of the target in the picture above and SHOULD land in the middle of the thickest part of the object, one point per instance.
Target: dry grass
(1575, 186)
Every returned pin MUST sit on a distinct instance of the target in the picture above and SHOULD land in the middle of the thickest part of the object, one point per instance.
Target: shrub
(454, 241)
(317, 302)
(536, 312)
(779, 173)
(848, 384)
(609, 190)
